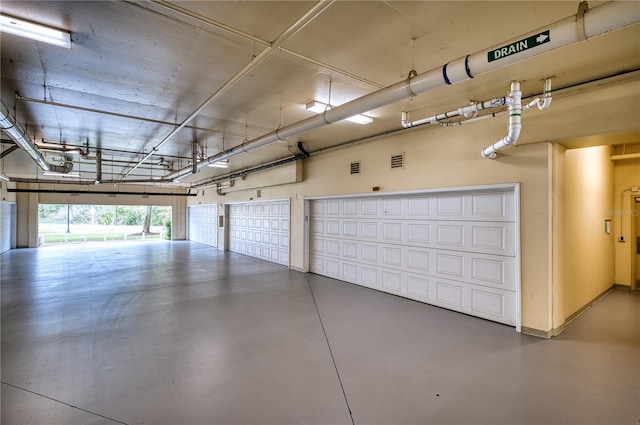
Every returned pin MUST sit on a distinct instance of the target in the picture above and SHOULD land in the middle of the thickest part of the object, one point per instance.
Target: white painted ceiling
(153, 66)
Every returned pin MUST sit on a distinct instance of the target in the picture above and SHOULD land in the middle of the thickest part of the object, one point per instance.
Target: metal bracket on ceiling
(582, 8)
(412, 74)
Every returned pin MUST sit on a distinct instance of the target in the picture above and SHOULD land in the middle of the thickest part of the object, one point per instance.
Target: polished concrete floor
(179, 333)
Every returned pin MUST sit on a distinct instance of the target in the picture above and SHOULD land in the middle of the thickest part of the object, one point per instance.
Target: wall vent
(355, 167)
(397, 161)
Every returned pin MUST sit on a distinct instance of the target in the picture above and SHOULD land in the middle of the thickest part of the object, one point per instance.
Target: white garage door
(260, 229)
(7, 223)
(202, 224)
(456, 250)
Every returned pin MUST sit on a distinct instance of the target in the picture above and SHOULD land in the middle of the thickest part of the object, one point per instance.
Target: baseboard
(557, 331)
(296, 269)
(536, 332)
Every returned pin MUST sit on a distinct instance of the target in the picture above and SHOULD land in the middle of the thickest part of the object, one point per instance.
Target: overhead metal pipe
(98, 192)
(8, 151)
(469, 111)
(194, 157)
(18, 134)
(119, 115)
(98, 166)
(309, 16)
(625, 156)
(599, 20)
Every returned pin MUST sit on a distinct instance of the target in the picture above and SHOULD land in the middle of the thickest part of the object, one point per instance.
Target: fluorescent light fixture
(220, 164)
(3, 177)
(34, 31)
(360, 119)
(64, 175)
(318, 107)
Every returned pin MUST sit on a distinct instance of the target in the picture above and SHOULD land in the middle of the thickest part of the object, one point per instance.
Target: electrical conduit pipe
(19, 135)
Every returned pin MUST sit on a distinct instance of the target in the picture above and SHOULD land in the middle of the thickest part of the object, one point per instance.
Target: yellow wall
(626, 175)
(589, 252)
(557, 234)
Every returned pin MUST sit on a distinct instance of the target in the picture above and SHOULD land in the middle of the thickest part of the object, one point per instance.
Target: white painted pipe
(490, 152)
(545, 102)
(625, 156)
(607, 17)
(469, 111)
(19, 135)
(515, 124)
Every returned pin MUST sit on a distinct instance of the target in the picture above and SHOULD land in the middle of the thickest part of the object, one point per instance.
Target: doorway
(635, 284)
(69, 223)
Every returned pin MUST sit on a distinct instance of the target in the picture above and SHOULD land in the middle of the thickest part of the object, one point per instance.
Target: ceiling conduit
(311, 14)
(599, 20)
(19, 135)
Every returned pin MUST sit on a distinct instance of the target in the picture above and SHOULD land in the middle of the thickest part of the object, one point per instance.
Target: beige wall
(556, 206)
(27, 226)
(434, 158)
(589, 252)
(626, 175)
(7, 196)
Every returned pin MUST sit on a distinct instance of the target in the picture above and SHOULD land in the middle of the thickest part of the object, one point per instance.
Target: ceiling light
(65, 175)
(318, 107)
(3, 177)
(360, 119)
(220, 164)
(34, 31)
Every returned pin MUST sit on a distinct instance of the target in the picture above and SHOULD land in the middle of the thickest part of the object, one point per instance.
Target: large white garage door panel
(203, 224)
(453, 250)
(260, 229)
(7, 212)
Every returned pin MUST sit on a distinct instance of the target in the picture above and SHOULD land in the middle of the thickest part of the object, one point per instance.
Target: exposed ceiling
(139, 69)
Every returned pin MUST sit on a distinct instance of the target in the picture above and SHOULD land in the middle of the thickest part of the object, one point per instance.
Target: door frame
(634, 208)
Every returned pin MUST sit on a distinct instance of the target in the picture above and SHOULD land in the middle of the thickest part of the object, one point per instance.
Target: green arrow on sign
(519, 46)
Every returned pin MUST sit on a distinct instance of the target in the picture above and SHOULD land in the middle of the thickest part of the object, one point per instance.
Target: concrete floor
(180, 333)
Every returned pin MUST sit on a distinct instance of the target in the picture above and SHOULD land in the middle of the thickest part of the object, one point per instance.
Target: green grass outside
(57, 233)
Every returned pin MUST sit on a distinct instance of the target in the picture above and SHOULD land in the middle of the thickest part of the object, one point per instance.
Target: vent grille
(397, 161)
(355, 167)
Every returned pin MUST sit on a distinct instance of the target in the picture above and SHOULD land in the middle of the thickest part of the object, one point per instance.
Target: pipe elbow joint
(404, 120)
(63, 169)
(490, 155)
